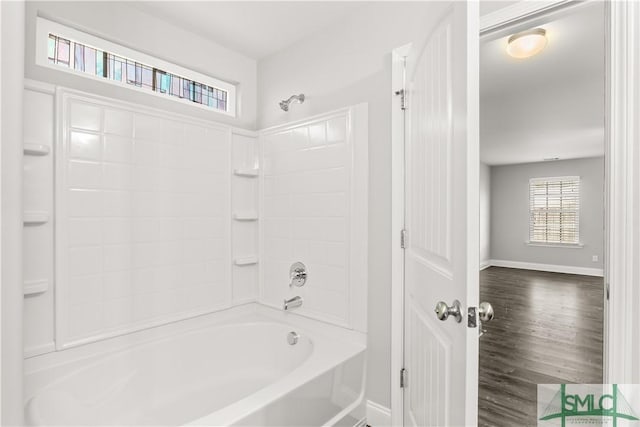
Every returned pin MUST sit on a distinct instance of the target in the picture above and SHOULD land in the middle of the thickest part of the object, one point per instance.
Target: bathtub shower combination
(189, 272)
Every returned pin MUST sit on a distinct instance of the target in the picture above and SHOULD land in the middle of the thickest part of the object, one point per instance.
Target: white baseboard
(598, 272)
(378, 415)
(485, 264)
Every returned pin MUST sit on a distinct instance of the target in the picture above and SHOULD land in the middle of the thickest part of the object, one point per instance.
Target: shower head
(284, 104)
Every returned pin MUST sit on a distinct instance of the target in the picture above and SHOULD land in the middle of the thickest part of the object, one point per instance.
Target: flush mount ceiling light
(527, 43)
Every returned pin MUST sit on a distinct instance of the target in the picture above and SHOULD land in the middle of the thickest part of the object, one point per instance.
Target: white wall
(122, 23)
(485, 214)
(346, 64)
(510, 213)
(11, 153)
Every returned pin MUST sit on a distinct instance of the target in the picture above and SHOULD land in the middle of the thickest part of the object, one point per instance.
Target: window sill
(556, 245)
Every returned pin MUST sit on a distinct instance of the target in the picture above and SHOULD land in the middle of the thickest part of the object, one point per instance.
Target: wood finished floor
(547, 330)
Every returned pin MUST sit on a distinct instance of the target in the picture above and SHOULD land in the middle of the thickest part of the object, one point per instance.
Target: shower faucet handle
(297, 274)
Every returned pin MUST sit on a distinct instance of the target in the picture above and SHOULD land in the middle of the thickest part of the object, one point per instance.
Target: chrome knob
(443, 311)
(485, 311)
(297, 274)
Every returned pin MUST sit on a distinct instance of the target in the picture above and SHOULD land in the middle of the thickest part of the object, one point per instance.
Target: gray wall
(345, 64)
(485, 214)
(510, 212)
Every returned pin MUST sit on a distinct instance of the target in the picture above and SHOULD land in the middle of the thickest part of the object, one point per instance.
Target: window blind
(554, 208)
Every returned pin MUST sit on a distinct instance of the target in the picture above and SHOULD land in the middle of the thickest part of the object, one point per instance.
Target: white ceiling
(254, 28)
(550, 105)
(489, 6)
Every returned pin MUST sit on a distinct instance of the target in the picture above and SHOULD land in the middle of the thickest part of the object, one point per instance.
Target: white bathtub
(230, 368)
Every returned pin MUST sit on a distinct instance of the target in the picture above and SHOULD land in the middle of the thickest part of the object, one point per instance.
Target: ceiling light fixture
(527, 43)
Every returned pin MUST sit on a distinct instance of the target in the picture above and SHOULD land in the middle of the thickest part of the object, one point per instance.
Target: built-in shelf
(250, 260)
(245, 216)
(33, 287)
(246, 172)
(35, 149)
(35, 217)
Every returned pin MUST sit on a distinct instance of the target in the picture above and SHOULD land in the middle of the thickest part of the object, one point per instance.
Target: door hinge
(403, 239)
(404, 379)
(403, 98)
(607, 291)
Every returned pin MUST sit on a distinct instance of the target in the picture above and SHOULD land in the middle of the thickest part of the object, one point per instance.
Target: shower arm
(284, 104)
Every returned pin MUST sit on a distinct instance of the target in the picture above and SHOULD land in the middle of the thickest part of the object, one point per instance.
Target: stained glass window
(79, 57)
(97, 62)
(100, 71)
(147, 77)
(175, 86)
(51, 49)
(62, 52)
(90, 60)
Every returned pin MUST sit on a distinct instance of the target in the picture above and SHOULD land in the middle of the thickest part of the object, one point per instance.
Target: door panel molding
(436, 374)
(430, 157)
(437, 264)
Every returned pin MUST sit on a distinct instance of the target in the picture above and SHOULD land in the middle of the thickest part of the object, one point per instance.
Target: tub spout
(292, 303)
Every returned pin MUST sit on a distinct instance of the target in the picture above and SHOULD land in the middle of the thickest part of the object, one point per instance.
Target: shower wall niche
(137, 217)
(38, 218)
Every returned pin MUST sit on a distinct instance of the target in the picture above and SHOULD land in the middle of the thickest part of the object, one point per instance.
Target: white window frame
(531, 242)
(44, 27)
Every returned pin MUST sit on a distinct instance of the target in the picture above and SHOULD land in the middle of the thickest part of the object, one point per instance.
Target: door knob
(485, 311)
(443, 311)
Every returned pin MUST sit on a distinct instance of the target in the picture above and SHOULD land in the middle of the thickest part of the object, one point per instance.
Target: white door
(441, 220)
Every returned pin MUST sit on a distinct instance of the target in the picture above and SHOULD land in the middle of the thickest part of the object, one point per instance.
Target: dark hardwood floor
(547, 330)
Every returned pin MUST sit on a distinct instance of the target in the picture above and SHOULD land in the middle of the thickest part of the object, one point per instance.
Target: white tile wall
(143, 212)
(143, 216)
(312, 195)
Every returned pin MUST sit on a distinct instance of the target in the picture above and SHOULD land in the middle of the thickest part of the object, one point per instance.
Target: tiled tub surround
(149, 210)
(314, 194)
(229, 368)
(143, 232)
(173, 240)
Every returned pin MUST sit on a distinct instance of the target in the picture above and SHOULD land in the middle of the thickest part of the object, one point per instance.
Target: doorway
(620, 334)
(542, 204)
